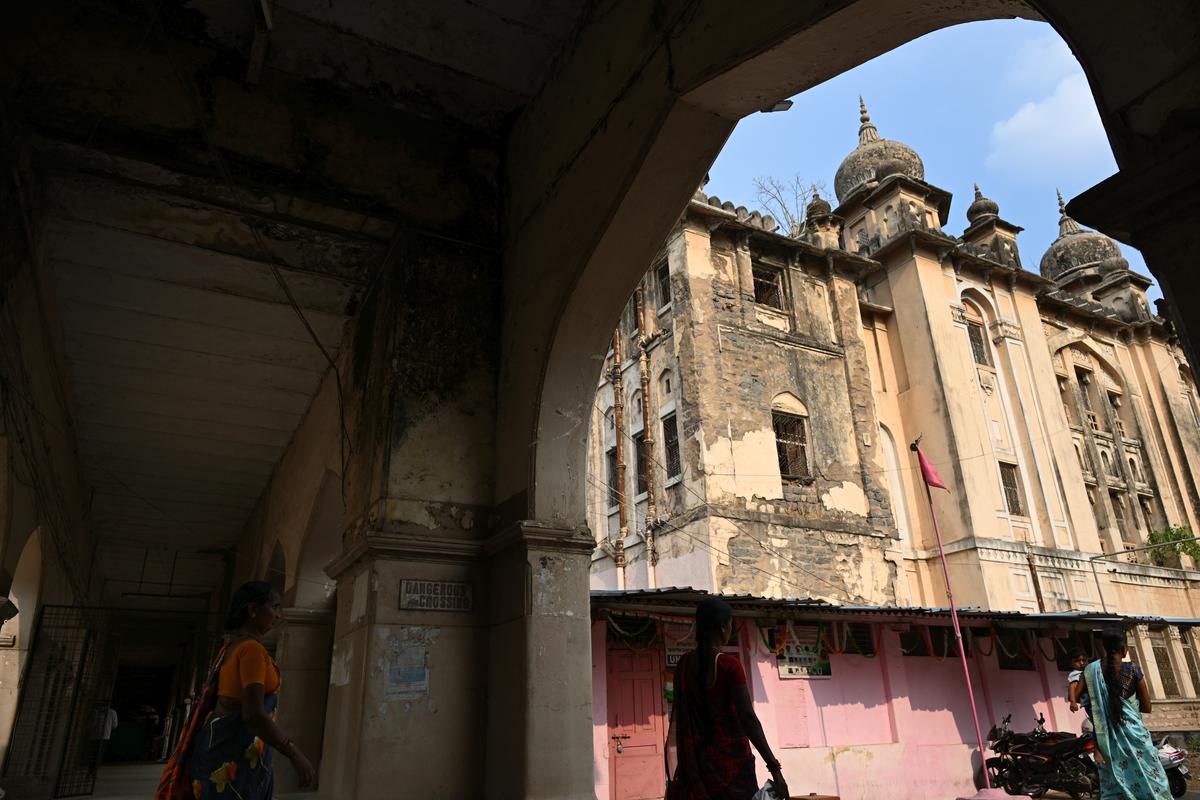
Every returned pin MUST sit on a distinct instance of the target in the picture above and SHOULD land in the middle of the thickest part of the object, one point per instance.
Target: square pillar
(303, 652)
(539, 669)
(407, 685)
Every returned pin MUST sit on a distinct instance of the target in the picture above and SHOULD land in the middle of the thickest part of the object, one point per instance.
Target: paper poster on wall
(407, 674)
(802, 655)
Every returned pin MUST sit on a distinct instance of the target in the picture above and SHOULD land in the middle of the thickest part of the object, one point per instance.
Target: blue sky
(1001, 103)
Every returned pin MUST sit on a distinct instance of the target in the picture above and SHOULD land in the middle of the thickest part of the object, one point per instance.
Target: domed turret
(866, 163)
(1079, 256)
(981, 208)
(818, 206)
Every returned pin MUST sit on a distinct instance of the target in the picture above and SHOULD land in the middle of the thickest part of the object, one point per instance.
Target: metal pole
(958, 638)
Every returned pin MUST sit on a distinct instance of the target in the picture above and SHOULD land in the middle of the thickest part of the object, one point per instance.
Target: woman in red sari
(712, 719)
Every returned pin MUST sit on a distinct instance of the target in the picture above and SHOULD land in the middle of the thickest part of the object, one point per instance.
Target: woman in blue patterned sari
(1128, 760)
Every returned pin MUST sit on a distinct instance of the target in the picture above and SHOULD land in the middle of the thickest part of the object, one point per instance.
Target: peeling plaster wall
(825, 536)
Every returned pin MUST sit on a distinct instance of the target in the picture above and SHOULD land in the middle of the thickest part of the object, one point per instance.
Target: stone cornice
(307, 616)
(425, 547)
(534, 535)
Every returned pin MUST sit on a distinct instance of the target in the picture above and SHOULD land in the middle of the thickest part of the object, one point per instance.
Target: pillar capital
(534, 535)
(307, 616)
(432, 547)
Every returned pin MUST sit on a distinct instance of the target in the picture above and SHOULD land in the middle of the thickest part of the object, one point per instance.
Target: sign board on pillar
(422, 595)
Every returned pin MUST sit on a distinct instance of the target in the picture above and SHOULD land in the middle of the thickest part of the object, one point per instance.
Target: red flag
(928, 472)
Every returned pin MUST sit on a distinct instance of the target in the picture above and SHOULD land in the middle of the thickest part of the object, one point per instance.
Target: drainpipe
(647, 432)
(1037, 585)
(619, 426)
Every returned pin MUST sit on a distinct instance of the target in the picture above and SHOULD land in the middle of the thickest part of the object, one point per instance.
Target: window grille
(1189, 658)
(1162, 658)
(791, 444)
(979, 348)
(768, 287)
(663, 274)
(639, 444)
(671, 445)
(614, 486)
(1012, 490)
(1120, 427)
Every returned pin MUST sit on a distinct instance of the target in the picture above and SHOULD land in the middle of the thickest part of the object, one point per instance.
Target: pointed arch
(789, 404)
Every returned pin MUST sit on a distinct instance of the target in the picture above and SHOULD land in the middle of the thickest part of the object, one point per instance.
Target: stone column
(1183, 675)
(539, 726)
(407, 700)
(1140, 635)
(303, 653)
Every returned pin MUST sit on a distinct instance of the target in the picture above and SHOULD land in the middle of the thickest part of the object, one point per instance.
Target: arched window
(789, 418)
(891, 460)
(1108, 467)
(977, 337)
(666, 386)
(635, 410)
(1134, 472)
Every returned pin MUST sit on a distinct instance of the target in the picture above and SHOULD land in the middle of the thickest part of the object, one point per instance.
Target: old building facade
(752, 423)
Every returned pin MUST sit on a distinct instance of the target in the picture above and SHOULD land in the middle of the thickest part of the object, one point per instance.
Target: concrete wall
(894, 724)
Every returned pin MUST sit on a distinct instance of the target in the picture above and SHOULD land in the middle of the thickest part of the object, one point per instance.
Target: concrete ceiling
(477, 61)
(188, 370)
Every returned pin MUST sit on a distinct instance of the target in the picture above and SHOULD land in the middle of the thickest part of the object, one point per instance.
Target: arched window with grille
(789, 418)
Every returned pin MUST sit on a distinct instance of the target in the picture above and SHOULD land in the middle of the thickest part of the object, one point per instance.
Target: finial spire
(978, 194)
(1066, 225)
(867, 131)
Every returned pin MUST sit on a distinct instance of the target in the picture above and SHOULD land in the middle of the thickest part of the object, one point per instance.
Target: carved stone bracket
(958, 314)
(1005, 329)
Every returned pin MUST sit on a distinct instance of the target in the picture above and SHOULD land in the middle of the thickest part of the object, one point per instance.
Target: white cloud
(1059, 136)
(1039, 63)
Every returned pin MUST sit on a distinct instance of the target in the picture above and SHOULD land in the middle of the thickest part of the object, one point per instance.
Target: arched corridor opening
(322, 292)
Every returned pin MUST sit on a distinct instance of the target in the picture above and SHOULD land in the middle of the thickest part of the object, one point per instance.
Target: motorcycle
(1173, 760)
(1036, 762)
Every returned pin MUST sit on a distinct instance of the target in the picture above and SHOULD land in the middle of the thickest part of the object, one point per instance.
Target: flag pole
(927, 472)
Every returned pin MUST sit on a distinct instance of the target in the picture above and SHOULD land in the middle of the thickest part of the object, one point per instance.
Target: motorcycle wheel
(1016, 783)
(1091, 774)
(997, 772)
(1176, 782)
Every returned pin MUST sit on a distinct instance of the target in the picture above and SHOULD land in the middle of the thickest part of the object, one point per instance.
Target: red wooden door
(637, 726)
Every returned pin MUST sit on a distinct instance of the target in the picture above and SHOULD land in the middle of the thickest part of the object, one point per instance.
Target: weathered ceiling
(188, 369)
(476, 61)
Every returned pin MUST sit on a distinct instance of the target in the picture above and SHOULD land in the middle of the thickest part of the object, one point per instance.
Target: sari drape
(1131, 770)
(218, 758)
(714, 762)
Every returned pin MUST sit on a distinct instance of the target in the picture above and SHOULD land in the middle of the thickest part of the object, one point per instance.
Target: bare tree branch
(785, 201)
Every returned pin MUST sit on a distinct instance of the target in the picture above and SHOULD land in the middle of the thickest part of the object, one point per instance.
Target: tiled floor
(137, 782)
(127, 781)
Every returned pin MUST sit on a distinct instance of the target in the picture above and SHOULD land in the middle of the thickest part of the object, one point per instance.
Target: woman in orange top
(230, 736)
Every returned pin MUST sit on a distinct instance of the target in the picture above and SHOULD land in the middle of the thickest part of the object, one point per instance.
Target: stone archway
(587, 214)
(25, 594)
(305, 645)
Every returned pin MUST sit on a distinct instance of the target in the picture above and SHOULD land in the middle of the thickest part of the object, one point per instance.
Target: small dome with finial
(818, 206)
(1079, 254)
(982, 207)
(874, 159)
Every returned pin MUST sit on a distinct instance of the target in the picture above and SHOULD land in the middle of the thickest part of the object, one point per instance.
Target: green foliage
(1173, 544)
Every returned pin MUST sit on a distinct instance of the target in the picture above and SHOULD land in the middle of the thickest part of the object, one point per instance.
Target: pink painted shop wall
(878, 723)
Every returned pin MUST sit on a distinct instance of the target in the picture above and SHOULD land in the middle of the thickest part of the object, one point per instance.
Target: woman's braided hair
(711, 615)
(1114, 653)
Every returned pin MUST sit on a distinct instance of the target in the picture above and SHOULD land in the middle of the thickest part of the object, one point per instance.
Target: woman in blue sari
(1127, 758)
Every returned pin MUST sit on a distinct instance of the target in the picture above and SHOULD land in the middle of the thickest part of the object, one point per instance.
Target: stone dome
(818, 206)
(1079, 254)
(981, 207)
(863, 164)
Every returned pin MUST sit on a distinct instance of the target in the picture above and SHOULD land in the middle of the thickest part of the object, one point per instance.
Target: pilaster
(303, 656)
(539, 725)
